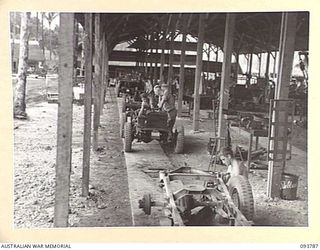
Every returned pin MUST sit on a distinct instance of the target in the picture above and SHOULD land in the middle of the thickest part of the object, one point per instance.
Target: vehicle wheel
(122, 122)
(127, 137)
(124, 108)
(239, 168)
(243, 170)
(180, 141)
(146, 204)
(241, 194)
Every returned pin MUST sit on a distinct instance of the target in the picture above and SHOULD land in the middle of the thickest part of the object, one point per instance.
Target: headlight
(128, 90)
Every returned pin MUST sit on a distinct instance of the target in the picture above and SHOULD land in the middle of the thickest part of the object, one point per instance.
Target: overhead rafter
(259, 28)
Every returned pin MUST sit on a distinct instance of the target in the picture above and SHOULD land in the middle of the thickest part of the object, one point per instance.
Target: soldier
(155, 96)
(145, 105)
(235, 167)
(167, 104)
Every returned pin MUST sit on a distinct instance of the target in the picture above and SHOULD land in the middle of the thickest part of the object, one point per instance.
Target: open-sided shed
(233, 33)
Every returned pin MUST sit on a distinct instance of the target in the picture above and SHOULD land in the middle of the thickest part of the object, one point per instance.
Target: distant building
(35, 55)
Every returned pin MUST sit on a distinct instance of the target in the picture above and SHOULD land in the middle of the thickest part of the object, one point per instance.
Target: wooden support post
(217, 55)
(217, 60)
(266, 75)
(137, 57)
(208, 70)
(97, 81)
(64, 133)
(251, 62)
(274, 65)
(106, 70)
(196, 95)
(260, 59)
(155, 70)
(103, 72)
(214, 120)
(75, 47)
(170, 71)
(150, 68)
(87, 104)
(286, 53)
(146, 64)
(247, 56)
(250, 70)
(182, 62)
(237, 66)
(149, 55)
(163, 43)
(225, 78)
(279, 146)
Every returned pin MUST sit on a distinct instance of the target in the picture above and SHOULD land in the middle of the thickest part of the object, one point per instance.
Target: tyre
(243, 170)
(147, 204)
(180, 141)
(127, 137)
(123, 120)
(241, 194)
(238, 168)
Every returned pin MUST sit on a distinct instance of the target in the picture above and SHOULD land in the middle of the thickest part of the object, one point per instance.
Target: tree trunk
(13, 22)
(42, 35)
(37, 26)
(20, 90)
(50, 42)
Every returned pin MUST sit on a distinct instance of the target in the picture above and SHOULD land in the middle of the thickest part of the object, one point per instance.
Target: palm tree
(13, 37)
(20, 89)
(50, 16)
(42, 34)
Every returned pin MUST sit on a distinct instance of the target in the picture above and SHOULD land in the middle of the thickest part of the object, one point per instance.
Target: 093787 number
(309, 245)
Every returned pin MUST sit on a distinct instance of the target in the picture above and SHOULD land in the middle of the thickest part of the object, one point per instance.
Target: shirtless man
(235, 167)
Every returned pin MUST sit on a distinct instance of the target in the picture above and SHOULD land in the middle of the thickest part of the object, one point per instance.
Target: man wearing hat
(167, 103)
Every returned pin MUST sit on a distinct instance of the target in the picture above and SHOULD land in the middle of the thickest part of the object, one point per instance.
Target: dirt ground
(34, 158)
(109, 202)
(268, 212)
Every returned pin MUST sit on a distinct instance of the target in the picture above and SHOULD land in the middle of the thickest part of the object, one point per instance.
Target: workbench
(205, 102)
(255, 133)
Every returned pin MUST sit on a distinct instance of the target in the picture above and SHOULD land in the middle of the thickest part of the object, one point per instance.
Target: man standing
(154, 96)
(175, 86)
(167, 104)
